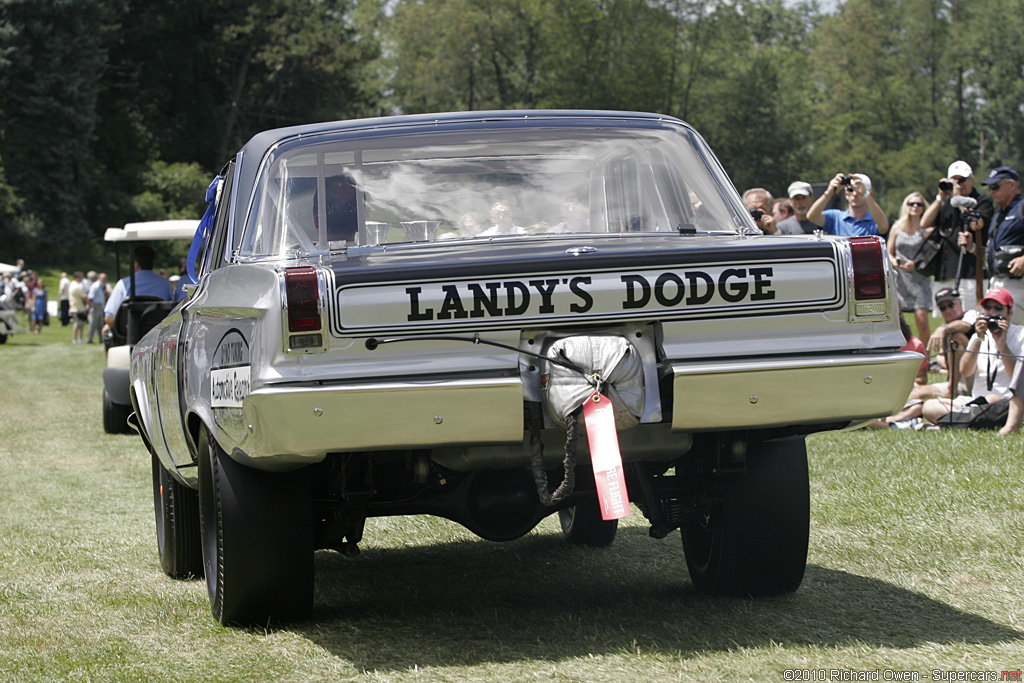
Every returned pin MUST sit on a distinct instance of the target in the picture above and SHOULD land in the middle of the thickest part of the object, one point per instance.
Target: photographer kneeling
(991, 358)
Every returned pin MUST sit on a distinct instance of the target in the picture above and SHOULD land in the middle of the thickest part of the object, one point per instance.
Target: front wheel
(750, 540)
(582, 524)
(257, 530)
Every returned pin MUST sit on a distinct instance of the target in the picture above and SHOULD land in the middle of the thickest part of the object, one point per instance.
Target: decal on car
(229, 374)
(686, 292)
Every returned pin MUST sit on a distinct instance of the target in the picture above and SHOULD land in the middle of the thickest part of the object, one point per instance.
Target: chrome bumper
(294, 425)
(772, 392)
(311, 421)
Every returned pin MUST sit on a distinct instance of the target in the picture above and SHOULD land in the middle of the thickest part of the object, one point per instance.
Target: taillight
(868, 273)
(303, 299)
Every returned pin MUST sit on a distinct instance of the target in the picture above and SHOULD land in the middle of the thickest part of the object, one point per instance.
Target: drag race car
(494, 317)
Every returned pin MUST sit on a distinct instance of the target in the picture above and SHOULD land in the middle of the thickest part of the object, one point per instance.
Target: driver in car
(342, 217)
(147, 283)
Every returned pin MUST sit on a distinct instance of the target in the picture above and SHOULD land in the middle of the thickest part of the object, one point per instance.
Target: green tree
(54, 56)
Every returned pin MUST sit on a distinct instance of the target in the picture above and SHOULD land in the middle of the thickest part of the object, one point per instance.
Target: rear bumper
(772, 392)
(311, 421)
(288, 426)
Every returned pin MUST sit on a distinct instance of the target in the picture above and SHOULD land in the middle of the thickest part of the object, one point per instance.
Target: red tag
(599, 417)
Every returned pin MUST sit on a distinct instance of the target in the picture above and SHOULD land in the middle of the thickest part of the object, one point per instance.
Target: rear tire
(582, 525)
(177, 525)
(257, 530)
(751, 541)
(115, 416)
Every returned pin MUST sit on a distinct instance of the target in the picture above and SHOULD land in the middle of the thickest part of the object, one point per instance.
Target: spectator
(147, 283)
(28, 281)
(502, 224)
(62, 296)
(1006, 243)
(864, 216)
(905, 238)
(951, 339)
(781, 210)
(97, 298)
(953, 334)
(759, 202)
(39, 315)
(992, 355)
(943, 222)
(801, 195)
(77, 307)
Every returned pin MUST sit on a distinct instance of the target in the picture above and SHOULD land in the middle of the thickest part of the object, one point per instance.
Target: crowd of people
(86, 303)
(945, 251)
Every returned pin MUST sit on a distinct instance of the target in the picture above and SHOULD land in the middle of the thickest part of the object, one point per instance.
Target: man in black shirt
(943, 222)
(1005, 249)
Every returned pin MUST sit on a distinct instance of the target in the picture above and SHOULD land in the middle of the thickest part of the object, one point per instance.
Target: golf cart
(137, 315)
(9, 323)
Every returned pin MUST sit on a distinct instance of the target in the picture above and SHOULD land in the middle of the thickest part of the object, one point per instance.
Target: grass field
(915, 566)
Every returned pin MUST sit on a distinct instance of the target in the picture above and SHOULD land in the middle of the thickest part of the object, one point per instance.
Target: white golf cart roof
(153, 230)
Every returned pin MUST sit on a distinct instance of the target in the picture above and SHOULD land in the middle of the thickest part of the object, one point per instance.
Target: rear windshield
(325, 192)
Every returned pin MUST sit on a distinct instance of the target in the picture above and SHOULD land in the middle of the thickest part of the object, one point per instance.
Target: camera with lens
(945, 186)
(993, 321)
(756, 214)
(845, 180)
(971, 215)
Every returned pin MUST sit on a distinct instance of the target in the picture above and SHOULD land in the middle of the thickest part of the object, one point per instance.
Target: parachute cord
(534, 420)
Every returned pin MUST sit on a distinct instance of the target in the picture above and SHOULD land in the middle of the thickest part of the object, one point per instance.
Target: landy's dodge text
(494, 317)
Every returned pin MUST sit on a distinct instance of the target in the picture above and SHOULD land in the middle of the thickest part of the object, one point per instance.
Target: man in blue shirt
(864, 216)
(147, 283)
(1006, 236)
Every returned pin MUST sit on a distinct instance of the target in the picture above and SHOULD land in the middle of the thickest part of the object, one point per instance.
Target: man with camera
(759, 203)
(990, 358)
(801, 195)
(952, 211)
(864, 216)
(1006, 242)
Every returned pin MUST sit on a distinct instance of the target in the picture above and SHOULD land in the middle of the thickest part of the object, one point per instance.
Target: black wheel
(257, 530)
(177, 525)
(115, 416)
(582, 524)
(751, 540)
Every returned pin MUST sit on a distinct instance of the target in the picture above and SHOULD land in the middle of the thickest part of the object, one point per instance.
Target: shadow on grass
(537, 598)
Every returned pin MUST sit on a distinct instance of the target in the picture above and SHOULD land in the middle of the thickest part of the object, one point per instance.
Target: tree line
(119, 110)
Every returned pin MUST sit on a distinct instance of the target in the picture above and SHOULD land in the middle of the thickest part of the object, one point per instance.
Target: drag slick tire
(750, 540)
(257, 530)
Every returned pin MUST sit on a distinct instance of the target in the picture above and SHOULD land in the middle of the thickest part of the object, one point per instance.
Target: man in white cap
(864, 216)
(943, 221)
(801, 195)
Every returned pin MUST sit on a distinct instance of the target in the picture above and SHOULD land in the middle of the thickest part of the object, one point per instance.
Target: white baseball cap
(864, 179)
(959, 168)
(798, 188)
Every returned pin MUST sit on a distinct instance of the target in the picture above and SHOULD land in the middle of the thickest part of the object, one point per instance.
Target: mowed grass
(915, 565)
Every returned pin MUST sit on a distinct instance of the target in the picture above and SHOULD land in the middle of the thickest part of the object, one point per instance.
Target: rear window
(321, 193)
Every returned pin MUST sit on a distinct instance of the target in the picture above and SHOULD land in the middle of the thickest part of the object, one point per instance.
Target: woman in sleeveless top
(905, 238)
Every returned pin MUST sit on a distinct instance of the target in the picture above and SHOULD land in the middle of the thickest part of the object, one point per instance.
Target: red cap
(999, 295)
